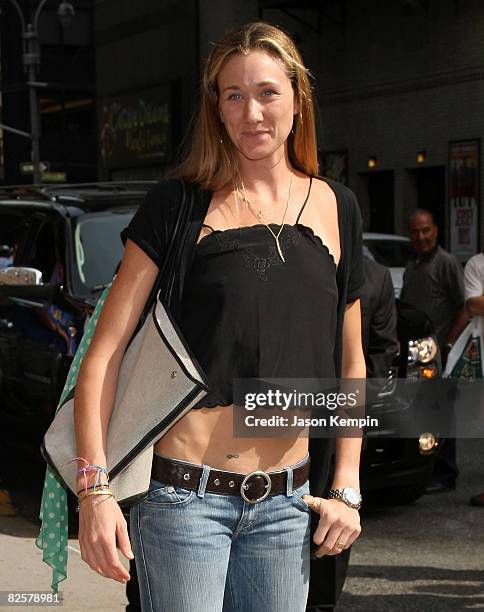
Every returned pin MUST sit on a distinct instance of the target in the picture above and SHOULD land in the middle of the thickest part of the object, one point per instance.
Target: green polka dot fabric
(52, 539)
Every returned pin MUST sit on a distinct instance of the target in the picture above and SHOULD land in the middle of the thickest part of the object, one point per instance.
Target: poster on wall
(136, 129)
(464, 186)
(334, 165)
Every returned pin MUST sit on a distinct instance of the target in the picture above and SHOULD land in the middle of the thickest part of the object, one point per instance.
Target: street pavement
(22, 569)
(21, 565)
(426, 556)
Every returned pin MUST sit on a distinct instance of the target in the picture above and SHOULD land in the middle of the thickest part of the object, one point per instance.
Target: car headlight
(427, 443)
(423, 350)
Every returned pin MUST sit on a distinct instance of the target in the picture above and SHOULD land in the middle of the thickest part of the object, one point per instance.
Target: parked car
(70, 235)
(390, 250)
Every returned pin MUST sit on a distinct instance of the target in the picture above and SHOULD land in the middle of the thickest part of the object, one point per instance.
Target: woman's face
(256, 104)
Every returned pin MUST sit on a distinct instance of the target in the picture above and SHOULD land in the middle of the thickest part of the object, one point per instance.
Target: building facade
(398, 88)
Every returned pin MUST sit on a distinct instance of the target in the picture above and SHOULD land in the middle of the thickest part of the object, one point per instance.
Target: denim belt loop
(203, 481)
(289, 489)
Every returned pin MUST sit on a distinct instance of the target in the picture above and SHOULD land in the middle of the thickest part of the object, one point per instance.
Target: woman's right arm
(99, 524)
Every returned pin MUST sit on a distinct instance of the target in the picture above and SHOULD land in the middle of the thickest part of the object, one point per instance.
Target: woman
(260, 299)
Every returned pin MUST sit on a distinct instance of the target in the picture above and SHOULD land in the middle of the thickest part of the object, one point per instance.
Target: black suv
(70, 234)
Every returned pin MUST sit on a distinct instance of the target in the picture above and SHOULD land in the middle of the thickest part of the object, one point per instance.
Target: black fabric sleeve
(148, 227)
(355, 248)
(383, 340)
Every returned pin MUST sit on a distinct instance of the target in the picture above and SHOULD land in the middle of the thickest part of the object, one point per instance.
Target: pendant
(279, 249)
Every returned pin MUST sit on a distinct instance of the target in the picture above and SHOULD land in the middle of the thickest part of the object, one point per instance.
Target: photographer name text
(296, 421)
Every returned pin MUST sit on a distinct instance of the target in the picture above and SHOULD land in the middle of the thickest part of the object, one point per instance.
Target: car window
(390, 253)
(45, 254)
(42, 246)
(13, 228)
(98, 248)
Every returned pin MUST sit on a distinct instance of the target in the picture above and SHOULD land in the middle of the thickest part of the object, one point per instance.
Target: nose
(253, 111)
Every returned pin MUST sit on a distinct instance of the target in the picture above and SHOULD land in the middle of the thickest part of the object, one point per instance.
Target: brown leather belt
(253, 487)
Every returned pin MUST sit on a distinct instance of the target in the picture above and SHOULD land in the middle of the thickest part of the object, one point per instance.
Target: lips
(255, 133)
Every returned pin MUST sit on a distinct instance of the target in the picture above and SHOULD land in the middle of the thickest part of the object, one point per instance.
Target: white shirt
(474, 276)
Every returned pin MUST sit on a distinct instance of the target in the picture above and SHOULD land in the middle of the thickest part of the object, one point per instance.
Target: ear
(297, 106)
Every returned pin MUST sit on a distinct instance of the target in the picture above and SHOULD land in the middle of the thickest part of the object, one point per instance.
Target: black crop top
(247, 314)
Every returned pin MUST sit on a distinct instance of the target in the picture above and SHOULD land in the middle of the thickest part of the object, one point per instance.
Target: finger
(318, 504)
(94, 557)
(326, 522)
(97, 560)
(353, 536)
(341, 542)
(321, 533)
(115, 569)
(82, 550)
(313, 502)
(123, 539)
(329, 541)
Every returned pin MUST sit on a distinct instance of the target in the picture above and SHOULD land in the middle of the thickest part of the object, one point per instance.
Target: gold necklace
(259, 214)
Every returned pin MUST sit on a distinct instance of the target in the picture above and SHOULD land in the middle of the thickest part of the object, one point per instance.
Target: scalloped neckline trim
(296, 225)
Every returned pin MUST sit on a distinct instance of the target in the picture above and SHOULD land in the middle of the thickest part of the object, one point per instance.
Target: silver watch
(349, 496)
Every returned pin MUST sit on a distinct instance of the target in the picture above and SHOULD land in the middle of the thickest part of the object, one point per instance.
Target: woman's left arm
(339, 525)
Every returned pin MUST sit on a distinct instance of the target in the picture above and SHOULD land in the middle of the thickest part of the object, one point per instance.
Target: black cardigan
(176, 211)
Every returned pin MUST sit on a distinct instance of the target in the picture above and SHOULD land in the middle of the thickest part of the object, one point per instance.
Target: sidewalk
(22, 569)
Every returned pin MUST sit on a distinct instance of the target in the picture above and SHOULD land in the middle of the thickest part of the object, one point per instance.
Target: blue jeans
(206, 552)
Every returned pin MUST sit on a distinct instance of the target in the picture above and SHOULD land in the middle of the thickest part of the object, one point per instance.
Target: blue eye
(234, 96)
(268, 92)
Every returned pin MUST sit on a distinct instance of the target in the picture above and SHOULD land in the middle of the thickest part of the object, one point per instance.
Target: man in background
(433, 282)
(474, 294)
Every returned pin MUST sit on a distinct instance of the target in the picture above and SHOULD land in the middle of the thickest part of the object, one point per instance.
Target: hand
(338, 527)
(99, 525)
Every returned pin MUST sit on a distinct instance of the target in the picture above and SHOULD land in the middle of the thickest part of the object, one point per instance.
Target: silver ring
(244, 486)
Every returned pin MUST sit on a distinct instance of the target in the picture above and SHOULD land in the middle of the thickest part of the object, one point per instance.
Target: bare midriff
(205, 436)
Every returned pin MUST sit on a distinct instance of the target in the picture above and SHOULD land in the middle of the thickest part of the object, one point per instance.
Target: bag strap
(164, 271)
(171, 264)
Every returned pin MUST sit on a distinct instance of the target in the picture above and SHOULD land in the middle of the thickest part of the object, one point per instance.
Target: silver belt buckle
(245, 486)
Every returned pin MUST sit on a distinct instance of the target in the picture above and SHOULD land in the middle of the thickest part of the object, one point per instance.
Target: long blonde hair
(210, 158)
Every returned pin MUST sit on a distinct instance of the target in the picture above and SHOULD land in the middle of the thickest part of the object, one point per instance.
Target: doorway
(380, 188)
(430, 194)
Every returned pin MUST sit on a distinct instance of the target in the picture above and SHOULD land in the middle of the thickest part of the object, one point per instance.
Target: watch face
(352, 496)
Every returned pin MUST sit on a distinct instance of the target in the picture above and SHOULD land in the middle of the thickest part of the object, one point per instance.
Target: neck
(427, 254)
(266, 178)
